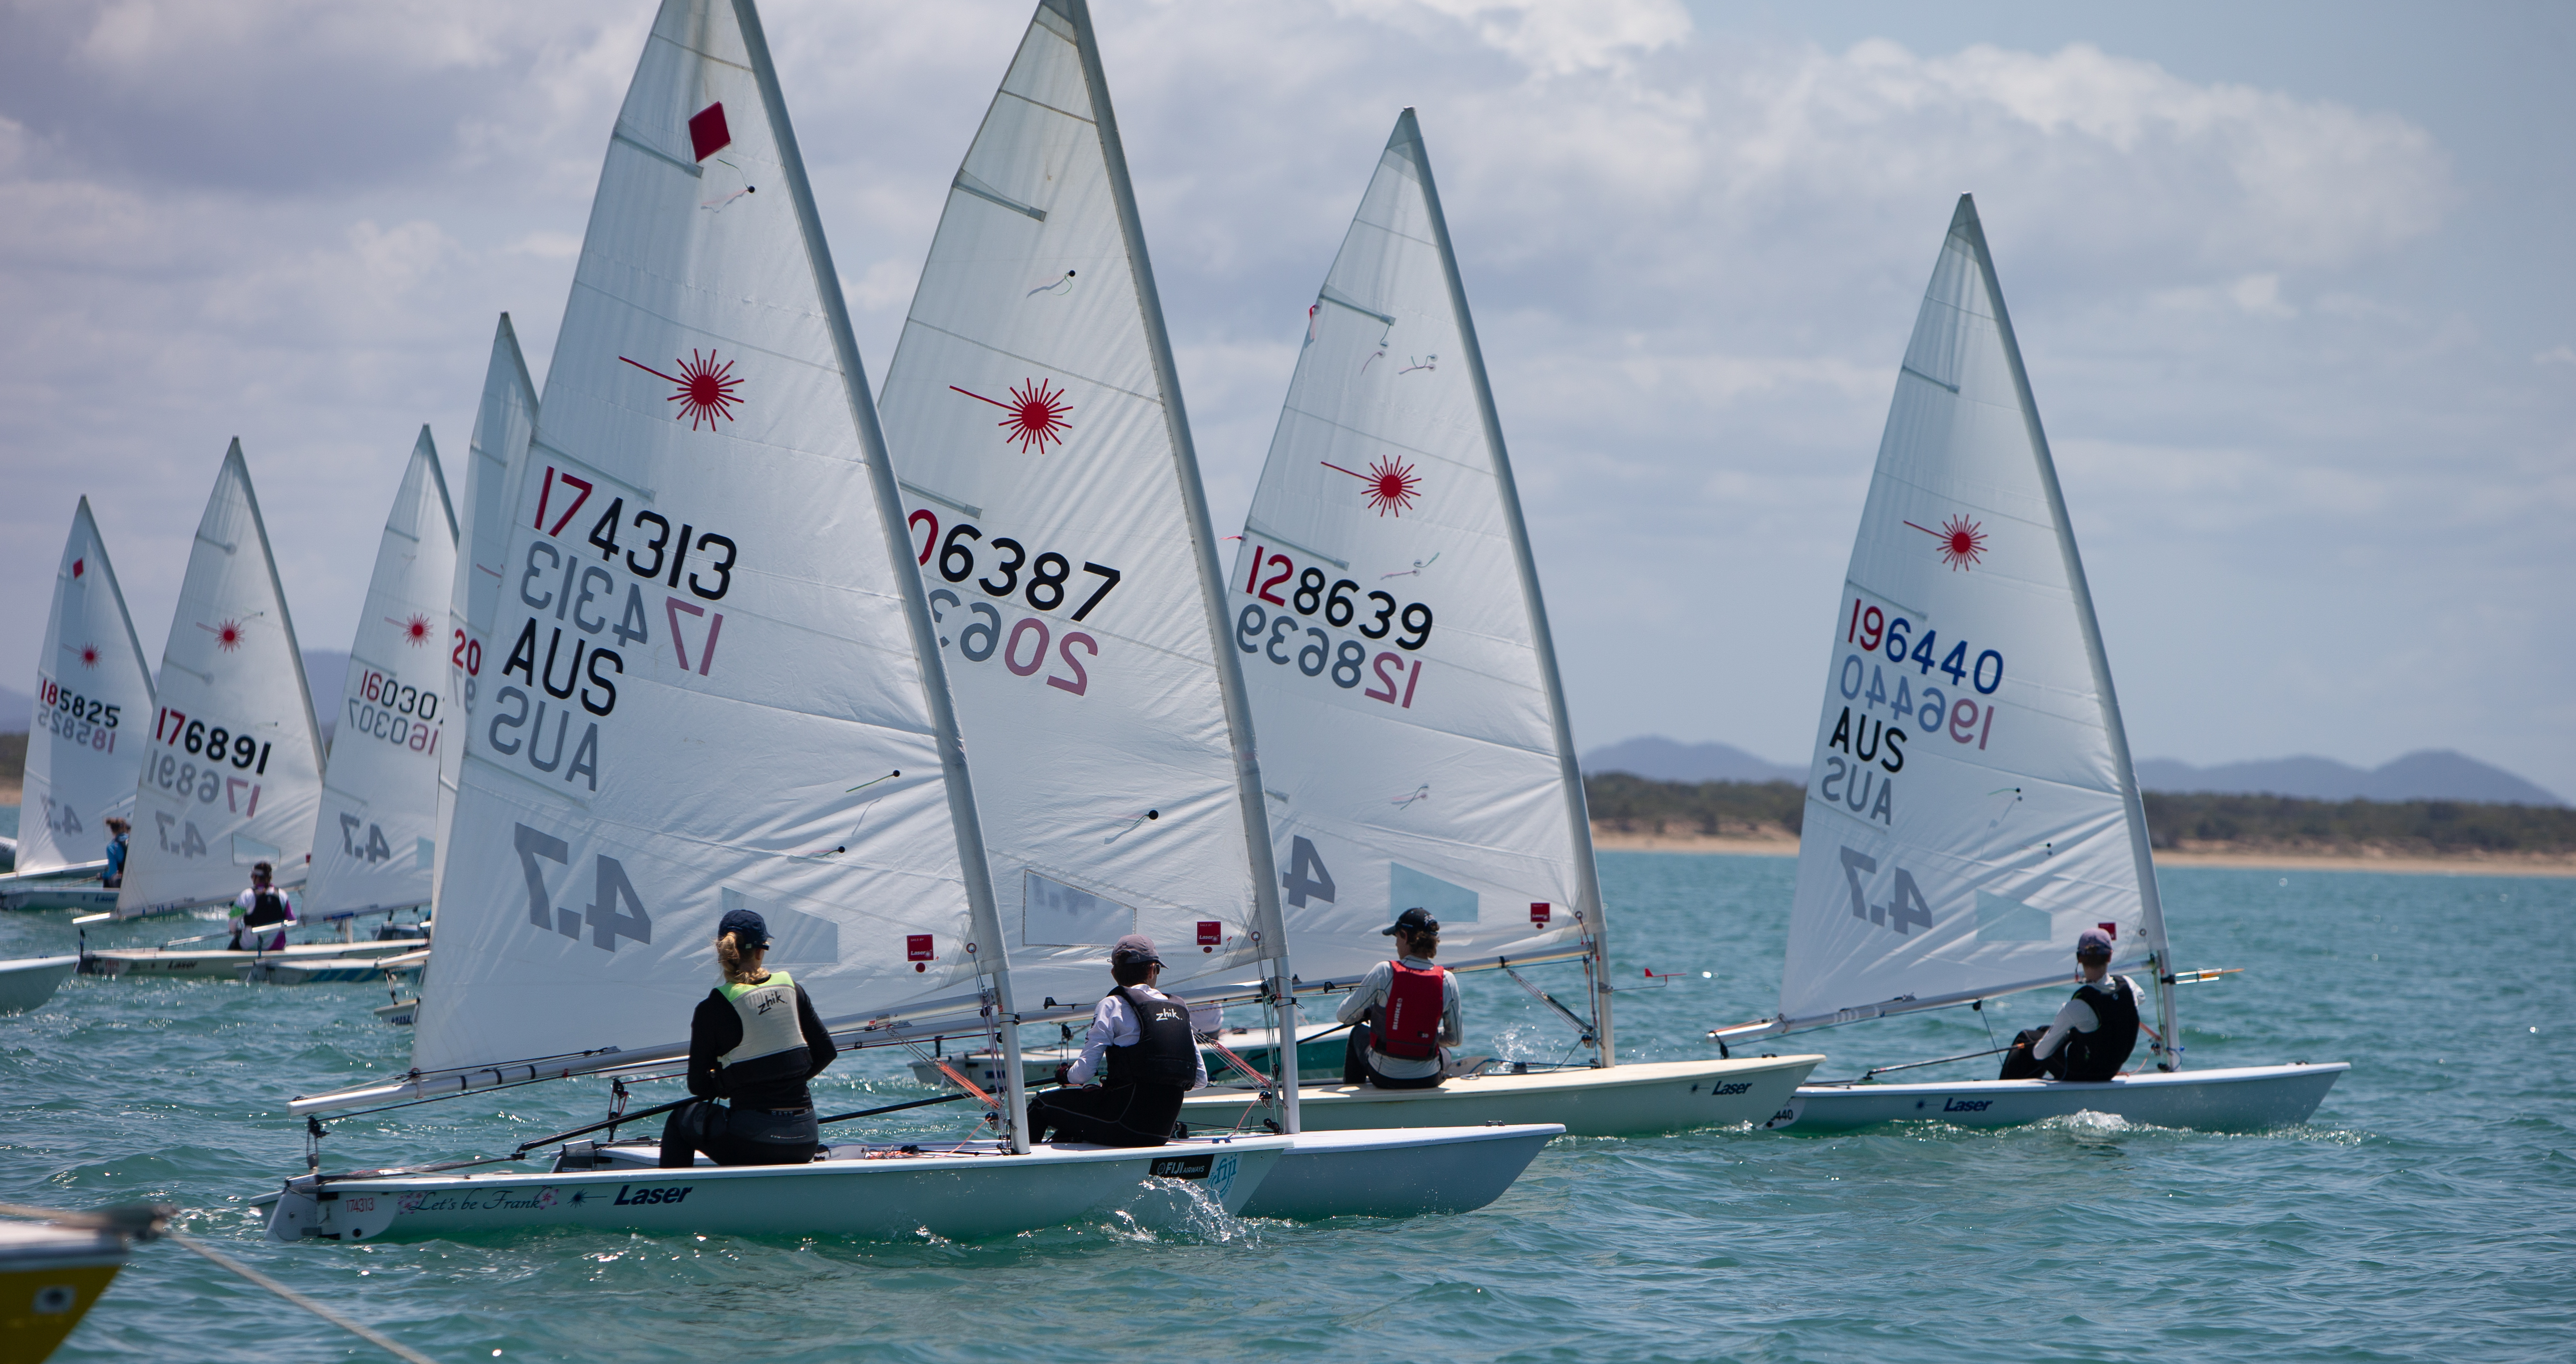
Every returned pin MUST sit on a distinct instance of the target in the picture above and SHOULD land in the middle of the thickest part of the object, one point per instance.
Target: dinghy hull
(50, 1276)
(27, 983)
(88, 899)
(2244, 1099)
(1407, 1172)
(181, 964)
(272, 969)
(1635, 1099)
(860, 1193)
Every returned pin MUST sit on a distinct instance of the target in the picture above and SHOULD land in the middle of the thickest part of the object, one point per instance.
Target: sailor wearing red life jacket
(1403, 1012)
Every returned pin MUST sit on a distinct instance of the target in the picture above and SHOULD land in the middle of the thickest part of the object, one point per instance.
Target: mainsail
(1388, 618)
(91, 729)
(233, 774)
(1054, 502)
(1971, 806)
(376, 844)
(707, 685)
(502, 425)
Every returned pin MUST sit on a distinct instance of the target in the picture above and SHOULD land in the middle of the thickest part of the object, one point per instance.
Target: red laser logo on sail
(1962, 543)
(415, 631)
(1391, 485)
(706, 389)
(227, 635)
(1037, 414)
(89, 655)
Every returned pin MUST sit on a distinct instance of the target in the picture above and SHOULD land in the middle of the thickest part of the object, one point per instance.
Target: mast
(916, 606)
(2159, 958)
(1185, 463)
(1587, 875)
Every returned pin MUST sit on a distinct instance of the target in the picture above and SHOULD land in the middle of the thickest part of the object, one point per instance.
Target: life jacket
(2099, 1054)
(1165, 1051)
(768, 1013)
(1408, 1023)
(266, 907)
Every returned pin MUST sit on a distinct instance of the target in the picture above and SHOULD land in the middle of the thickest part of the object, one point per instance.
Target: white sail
(376, 844)
(1971, 806)
(503, 422)
(1391, 629)
(93, 720)
(233, 775)
(1056, 514)
(705, 672)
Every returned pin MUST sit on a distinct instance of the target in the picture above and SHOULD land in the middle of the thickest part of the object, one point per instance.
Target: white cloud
(2555, 355)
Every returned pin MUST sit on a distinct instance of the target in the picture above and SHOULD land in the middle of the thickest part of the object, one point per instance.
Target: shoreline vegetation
(1634, 814)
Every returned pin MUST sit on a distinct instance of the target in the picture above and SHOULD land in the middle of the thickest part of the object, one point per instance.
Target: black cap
(747, 926)
(1134, 948)
(1416, 921)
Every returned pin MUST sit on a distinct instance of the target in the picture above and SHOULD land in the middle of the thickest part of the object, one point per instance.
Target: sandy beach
(1781, 843)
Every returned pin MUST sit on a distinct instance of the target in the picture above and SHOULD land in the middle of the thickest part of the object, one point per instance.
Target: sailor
(1142, 1052)
(1403, 1012)
(2093, 1033)
(754, 1040)
(261, 914)
(117, 829)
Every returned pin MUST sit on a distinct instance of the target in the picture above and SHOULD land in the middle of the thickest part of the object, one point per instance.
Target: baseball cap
(1415, 920)
(2093, 942)
(1133, 948)
(747, 925)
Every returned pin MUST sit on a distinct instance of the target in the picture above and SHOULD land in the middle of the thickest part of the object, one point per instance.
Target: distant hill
(1660, 759)
(2432, 774)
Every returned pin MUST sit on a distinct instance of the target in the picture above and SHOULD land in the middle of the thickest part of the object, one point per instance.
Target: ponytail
(735, 961)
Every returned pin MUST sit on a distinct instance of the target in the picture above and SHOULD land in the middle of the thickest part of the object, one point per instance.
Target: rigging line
(369, 1335)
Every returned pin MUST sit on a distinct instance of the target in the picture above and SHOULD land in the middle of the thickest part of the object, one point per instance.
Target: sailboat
(83, 759)
(1062, 534)
(232, 771)
(1972, 806)
(719, 687)
(376, 844)
(1386, 614)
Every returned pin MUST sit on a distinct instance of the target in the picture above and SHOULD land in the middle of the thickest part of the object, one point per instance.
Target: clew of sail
(705, 686)
(376, 843)
(1971, 806)
(1388, 617)
(91, 729)
(503, 423)
(1058, 522)
(233, 771)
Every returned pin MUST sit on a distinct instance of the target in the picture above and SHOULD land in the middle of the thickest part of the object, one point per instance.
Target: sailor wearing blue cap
(755, 1040)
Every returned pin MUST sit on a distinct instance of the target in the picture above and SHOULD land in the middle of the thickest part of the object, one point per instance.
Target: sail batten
(1971, 805)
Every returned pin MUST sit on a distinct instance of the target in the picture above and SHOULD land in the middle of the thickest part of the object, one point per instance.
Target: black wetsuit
(771, 1117)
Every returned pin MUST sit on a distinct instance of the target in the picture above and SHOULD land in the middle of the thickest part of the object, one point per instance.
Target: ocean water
(2428, 1212)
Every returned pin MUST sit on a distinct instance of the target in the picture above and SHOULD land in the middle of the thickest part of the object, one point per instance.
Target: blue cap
(746, 925)
(2093, 942)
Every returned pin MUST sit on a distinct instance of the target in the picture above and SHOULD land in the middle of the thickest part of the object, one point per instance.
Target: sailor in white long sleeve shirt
(1142, 1050)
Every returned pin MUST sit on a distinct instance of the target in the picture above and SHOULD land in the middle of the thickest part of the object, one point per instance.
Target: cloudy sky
(2293, 282)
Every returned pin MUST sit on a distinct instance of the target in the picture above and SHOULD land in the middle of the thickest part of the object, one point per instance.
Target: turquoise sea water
(2429, 1212)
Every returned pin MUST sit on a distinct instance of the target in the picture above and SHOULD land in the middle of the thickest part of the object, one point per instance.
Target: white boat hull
(1631, 1099)
(1406, 1172)
(272, 969)
(2244, 1099)
(181, 964)
(88, 899)
(30, 981)
(861, 1193)
(400, 1013)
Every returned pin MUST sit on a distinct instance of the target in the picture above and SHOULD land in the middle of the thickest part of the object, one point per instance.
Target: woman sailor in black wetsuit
(755, 1040)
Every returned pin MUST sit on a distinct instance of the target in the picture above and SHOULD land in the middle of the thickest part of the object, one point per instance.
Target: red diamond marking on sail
(89, 655)
(1963, 544)
(1037, 411)
(77, 565)
(707, 131)
(706, 388)
(1391, 485)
